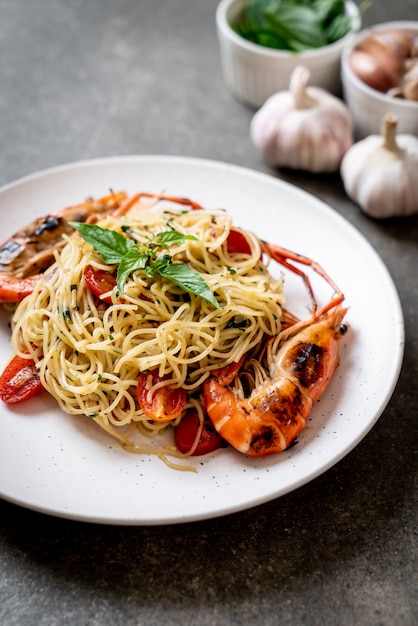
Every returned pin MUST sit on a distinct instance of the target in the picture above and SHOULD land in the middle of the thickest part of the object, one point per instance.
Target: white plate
(58, 464)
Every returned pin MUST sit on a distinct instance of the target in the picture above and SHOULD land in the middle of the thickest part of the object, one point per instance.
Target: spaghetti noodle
(90, 353)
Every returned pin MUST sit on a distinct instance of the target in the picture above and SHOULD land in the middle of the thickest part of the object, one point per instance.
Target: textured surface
(87, 79)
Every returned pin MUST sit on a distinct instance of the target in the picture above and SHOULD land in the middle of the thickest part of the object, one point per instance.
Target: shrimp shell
(275, 412)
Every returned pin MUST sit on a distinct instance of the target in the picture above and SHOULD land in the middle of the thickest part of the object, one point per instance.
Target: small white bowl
(368, 106)
(253, 72)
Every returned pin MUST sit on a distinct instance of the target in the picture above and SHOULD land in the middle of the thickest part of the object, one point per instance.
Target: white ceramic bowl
(369, 106)
(253, 72)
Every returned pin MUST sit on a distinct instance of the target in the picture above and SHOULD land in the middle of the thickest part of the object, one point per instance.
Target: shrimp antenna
(132, 200)
(284, 256)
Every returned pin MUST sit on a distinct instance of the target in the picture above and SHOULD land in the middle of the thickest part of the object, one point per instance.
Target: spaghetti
(91, 351)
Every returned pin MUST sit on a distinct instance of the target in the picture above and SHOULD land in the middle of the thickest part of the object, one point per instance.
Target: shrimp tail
(13, 290)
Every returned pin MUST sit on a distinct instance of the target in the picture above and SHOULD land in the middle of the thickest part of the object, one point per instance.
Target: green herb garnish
(116, 249)
(67, 316)
(293, 25)
(239, 321)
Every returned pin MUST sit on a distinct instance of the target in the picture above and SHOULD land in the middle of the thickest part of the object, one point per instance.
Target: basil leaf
(293, 25)
(159, 265)
(328, 10)
(111, 245)
(299, 24)
(115, 248)
(188, 279)
(254, 26)
(338, 28)
(130, 262)
(171, 237)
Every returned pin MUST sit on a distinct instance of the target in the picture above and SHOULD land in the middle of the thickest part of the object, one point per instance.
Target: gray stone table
(82, 79)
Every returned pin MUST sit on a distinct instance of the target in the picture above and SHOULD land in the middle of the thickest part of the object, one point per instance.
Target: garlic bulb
(304, 128)
(380, 173)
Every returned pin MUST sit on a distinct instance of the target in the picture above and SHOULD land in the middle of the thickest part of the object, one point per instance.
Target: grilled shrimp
(30, 251)
(270, 419)
(265, 406)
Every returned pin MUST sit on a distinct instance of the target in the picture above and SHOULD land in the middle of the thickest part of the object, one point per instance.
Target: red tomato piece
(236, 242)
(163, 404)
(19, 381)
(185, 434)
(99, 282)
(226, 374)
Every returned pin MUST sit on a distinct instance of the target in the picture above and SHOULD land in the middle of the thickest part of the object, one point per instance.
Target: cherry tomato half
(99, 282)
(166, 403)
(226, 374)
(186, 431)
(19, 381)
(236, 242)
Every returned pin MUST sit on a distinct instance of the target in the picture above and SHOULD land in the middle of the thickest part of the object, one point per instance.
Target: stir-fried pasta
(90, 353)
